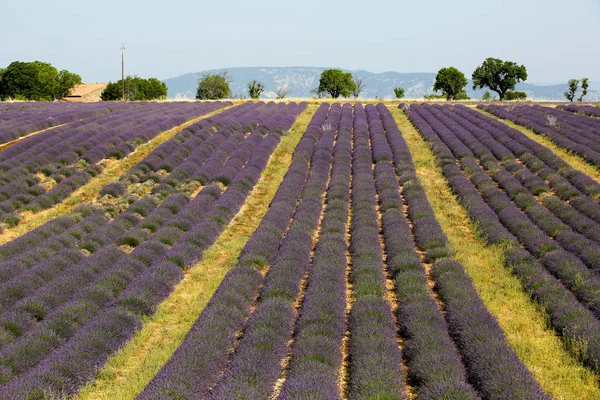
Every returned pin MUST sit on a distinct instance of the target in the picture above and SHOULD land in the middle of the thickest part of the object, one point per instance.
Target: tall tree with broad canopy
(37, 81)
(450, 81)
(500, 76)
(336, 83)
(213, 86)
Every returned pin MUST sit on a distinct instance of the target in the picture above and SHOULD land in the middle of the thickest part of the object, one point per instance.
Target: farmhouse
(86, 92)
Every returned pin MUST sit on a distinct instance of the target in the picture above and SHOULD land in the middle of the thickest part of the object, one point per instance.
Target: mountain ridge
(301, 80)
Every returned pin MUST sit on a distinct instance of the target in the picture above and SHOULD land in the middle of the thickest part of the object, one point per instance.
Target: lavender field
(349, 286)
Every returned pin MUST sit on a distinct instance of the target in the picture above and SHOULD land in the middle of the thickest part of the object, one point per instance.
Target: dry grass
(524, 324)
(88, 193)
(131, 369)
(577, 162)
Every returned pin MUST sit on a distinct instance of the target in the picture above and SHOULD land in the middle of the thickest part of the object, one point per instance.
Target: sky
(555, 40)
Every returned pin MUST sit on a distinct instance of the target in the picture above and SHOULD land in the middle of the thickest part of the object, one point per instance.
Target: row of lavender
(491, 365)
(592, 111)
(117, 232)
(577, 133)
(93, 306)
(100, 240)
(182, 158)
(17, 121)
(67, 157)
(199, 361)
(518, 192)
(288, 342)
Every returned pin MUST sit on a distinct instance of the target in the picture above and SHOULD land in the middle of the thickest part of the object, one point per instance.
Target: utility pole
(122, 72)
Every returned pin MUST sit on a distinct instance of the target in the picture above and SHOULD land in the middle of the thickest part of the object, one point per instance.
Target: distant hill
(301, 80)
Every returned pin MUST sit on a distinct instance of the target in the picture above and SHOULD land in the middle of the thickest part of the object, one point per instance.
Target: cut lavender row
(271, 324)
(492, 366)
(375, 370)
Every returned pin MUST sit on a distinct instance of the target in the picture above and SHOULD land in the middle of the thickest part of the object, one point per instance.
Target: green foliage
(434, 96)
(500, 76)
(37, 81)
(136, 88)
(515, 96)
(336, 83)
(462, 95)
(573, 86)
(450, 81)
(213, 87)
(255, 89)
(399, 92)
(486, 96)
(64, 82)
(584, 86)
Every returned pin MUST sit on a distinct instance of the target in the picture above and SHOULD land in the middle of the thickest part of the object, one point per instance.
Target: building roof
(86, 88)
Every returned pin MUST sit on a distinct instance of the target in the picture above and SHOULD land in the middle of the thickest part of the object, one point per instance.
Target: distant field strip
(127, 373)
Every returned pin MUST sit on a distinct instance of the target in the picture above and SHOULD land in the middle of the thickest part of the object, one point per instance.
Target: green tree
(213, 86)
(155, 89)
(36, 81)
(450, 81)
(255, 89)
(111, 92)
(584, 86)
(486, 96)
(136, 88)
(500, 76)
(64, 82)
(573, 86)
(399, 92)
(336, 83)
(462, 95)
(510, 95)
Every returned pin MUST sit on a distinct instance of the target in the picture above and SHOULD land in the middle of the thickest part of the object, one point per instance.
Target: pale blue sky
(556, 40)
